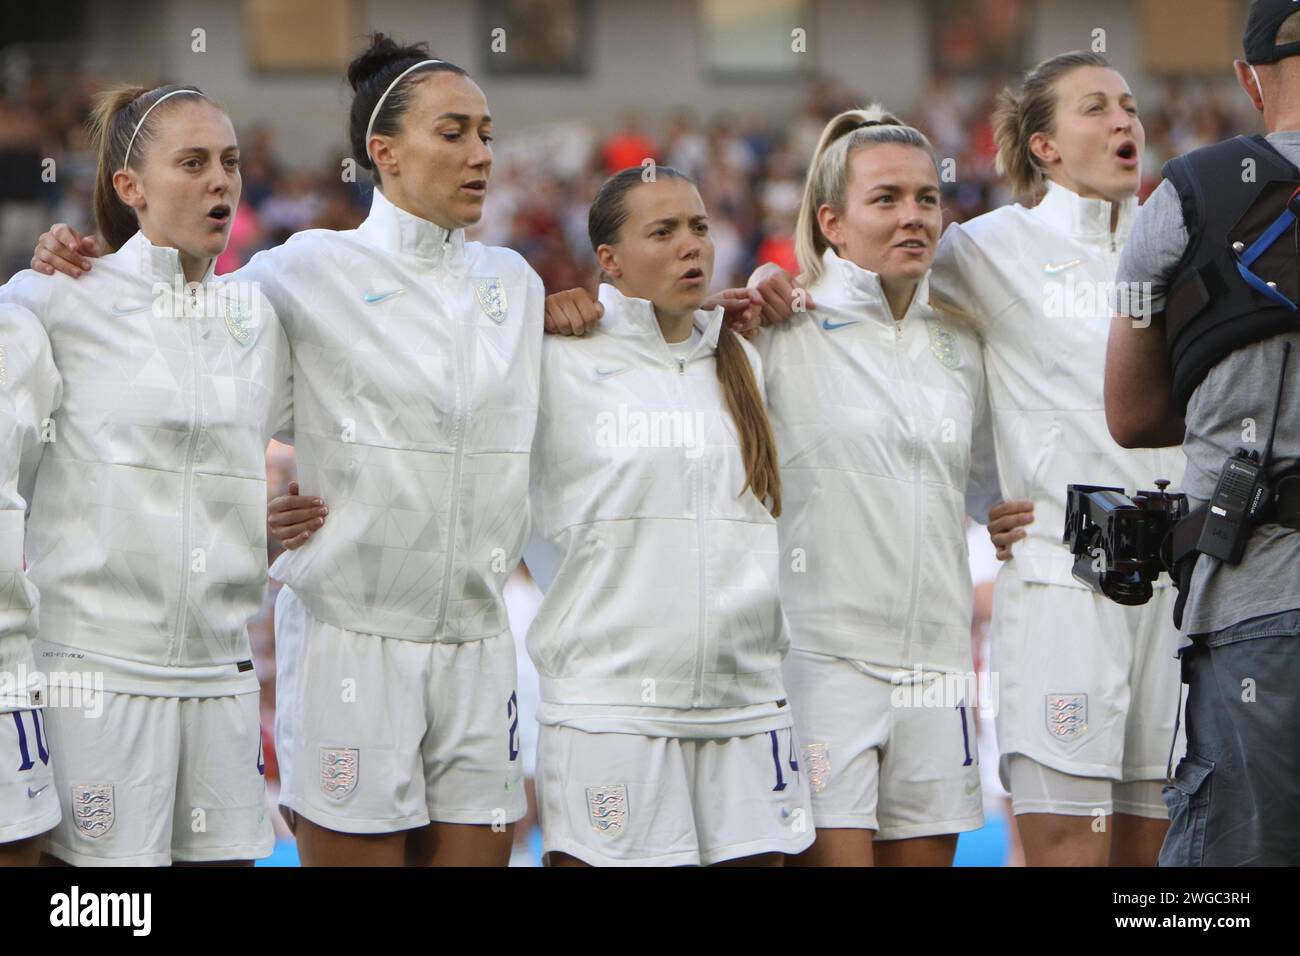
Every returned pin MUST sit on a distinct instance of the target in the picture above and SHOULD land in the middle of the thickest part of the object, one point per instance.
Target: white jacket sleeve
(983, 484)
(30, 390)
(541, 556)
(280, 426)
(265, 270)
(952, 289)
(31, 384)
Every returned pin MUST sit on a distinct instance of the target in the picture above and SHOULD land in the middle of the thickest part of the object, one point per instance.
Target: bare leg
(470, 844)
(319, 846)
(22, 852)
(556, 858)
(918, 851)
(1016, 849)
(1056, 839)
(1136, 840)
(214, 863)
(838, 847)
(525, 826)
(758, 859)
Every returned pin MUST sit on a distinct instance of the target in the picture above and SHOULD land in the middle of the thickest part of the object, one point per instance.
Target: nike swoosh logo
(607, 372)
(373, 297)
(33, 794)
(1052, 269)
(971, 791)
(830, 326)
(126, 308)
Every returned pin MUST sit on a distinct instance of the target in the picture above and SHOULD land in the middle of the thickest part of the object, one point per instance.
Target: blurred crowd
(749, 169)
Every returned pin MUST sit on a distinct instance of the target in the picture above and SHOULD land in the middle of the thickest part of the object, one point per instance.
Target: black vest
(1211, 310)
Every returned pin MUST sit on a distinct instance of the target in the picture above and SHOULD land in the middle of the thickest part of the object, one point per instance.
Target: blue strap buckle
(1256, 249)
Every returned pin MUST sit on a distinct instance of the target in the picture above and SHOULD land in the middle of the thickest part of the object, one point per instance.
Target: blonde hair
(1017, 117)
(828, 174)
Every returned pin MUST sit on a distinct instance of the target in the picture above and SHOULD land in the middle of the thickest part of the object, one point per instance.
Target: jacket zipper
(701, 640)
(196, 422)
(701, 633)
(917, 493)
(462, 415)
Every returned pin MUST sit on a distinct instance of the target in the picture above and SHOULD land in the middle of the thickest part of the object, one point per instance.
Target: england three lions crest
(607, 807)
(339, 769)
(817, 759)
(239, 305)
(92, 808)
(1067, 715)
(944, 346)
(492, 297)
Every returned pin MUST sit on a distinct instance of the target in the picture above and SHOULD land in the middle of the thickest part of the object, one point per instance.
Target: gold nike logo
(1052, 269)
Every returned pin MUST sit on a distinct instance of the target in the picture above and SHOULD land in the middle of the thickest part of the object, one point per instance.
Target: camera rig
(1121, 544)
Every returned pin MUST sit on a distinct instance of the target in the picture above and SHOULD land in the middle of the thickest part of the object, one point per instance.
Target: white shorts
(153, 780)
(1084, 685)
(377, 734)
(1039, 789)
(881, 760)
(613, 799)
(29, 804)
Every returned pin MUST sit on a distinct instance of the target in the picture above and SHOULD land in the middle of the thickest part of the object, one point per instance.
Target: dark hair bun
(382, 53)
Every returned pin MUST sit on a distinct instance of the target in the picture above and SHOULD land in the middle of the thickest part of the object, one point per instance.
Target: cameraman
(1235, 798)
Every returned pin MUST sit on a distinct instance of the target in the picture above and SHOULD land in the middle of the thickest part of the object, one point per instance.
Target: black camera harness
(1218, 302)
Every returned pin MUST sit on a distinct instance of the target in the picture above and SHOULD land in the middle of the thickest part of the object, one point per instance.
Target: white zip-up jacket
(415, 377)
(885, 446)
(1038, 285)
(146, 535)
(660, 576)
(30, 389)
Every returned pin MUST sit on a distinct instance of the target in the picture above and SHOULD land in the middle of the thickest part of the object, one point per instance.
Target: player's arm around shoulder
(31, 390)
(955, 291)
(778, 295)
(28, 377)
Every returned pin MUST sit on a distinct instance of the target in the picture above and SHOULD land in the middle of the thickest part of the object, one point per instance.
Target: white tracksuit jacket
(885, 446)
(146, 535)
(30, 389)
(660, 576)
(415, 359)
(1037, 285)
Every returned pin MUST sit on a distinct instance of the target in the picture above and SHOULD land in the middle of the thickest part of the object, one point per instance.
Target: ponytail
(113, 121)
(828, 174)
(757, 445)
(1017, 117)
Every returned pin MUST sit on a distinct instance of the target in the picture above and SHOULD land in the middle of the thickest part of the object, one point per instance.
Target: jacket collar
(1086, 219)
(634, 320)
(157, 263)
(846, 284)
(400, 233)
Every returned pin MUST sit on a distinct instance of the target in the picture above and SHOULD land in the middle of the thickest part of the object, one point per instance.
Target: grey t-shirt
(1231, 409)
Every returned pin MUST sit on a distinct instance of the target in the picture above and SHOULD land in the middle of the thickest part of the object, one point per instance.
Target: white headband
(378, 106)
(131, 142)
